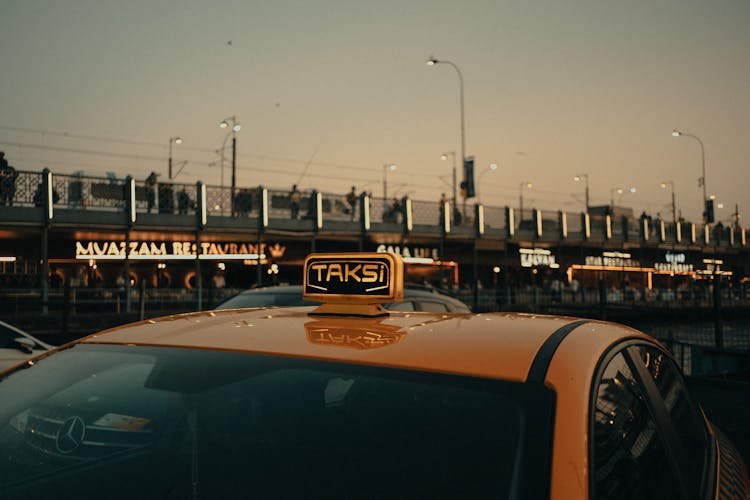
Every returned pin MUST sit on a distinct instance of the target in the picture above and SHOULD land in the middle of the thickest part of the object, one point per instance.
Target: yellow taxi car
(348, 400)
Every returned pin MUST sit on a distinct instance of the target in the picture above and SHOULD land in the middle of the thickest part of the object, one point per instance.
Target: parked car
(347, 400)
(416, 298)
(17, 346)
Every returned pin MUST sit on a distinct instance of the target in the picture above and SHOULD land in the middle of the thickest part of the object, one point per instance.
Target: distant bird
(229, 42)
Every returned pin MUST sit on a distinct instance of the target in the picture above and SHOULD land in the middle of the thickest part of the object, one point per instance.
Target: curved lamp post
(234, 127)
(386, 168)
(702, 180)
(172, 140)
(674, 207)
(432, 62)
(520, 198)
(619, 191)
(444, 157)
(492, 167)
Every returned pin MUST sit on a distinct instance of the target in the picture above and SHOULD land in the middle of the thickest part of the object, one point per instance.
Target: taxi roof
(494, 345)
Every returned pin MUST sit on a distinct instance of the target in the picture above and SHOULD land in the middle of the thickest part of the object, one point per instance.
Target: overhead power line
(493, 189)
(151, 158)
(80, 136)
(185, 147)
(82, 151)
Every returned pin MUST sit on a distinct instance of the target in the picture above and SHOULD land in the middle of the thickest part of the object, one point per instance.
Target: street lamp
(432, 62)
(718, 205)
(578, 178)
(702, 180)
(172, 140)
(520, 208)
(492, 167)
(234, 127)
(386, 168)
(444, 157)
(674, 208)
(619, 191)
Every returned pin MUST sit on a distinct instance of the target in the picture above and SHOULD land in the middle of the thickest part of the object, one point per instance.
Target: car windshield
(106, 421)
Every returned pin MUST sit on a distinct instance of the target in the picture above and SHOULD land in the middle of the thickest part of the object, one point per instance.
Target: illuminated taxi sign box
(346, 282)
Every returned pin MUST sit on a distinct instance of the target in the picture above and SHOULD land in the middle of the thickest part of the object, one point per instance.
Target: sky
(328, 92)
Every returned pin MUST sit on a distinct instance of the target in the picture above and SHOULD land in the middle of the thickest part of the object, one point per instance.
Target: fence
(25, 189)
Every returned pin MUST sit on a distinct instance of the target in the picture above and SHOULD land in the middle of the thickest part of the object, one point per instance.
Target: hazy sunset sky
(329, 91)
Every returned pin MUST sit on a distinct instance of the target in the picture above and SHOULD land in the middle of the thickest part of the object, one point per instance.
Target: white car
(17, 346)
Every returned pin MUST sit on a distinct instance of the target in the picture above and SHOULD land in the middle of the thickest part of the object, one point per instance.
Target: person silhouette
(351, 198)
(295, 197)
(8, 176)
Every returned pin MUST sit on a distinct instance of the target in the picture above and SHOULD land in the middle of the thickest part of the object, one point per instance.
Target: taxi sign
(343, 280)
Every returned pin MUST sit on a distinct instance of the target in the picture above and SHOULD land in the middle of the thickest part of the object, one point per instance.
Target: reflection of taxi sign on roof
(372, 334)
(353, 283)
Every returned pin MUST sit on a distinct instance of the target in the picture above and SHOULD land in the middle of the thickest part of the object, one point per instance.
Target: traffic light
(709, 213)
(469, 177)
(464, 191)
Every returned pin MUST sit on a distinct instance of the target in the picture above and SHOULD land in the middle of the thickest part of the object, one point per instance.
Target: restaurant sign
(537, 257)
(612, 259)
(175, 250)
(411, 254)
(675, 262)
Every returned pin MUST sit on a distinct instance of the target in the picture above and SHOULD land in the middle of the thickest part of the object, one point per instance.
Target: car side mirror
(25, 344)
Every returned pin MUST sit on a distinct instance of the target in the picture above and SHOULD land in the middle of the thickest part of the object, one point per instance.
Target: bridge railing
(24, 188)
(18, 188)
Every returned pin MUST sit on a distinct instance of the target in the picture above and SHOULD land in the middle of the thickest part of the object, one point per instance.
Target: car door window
(683, 415)
(7, 337)
(406, 305)
(629, 456)
(431, 306)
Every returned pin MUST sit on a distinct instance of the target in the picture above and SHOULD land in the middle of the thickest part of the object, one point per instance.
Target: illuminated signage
(537, 257)
(411, 254)
(714, 266)
(676, 258)
(353, 278)
(348, 276)
(612, 259)
(175, 250)
(674, 262)
(673, 266)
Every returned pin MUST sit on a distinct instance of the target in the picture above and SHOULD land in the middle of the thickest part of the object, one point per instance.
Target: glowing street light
(172, 140)
(392, 167)
(619, 191)
(674, 207)
(491, 168)
(231, 123)
(523, 185)
(444, 157)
